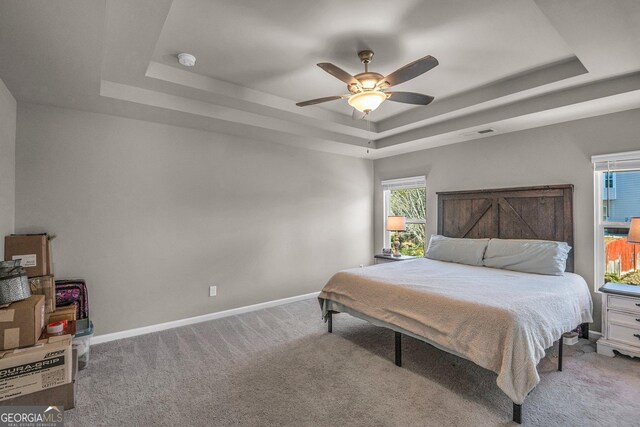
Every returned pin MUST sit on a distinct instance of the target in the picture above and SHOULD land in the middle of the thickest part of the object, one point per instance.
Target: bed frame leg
(330, 321)
(560, 345)
(517, 413)
(398, 349)
(584, 328)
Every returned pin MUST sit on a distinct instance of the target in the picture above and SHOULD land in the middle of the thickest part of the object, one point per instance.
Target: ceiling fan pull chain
(368, 130)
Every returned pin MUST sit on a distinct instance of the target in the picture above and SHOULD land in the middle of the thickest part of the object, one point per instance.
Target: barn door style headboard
(544, 213)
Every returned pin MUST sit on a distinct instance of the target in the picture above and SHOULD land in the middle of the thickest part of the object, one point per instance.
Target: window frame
(400, 184)
(607, 163)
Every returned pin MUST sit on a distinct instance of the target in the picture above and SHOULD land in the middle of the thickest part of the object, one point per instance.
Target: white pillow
(463, 251)
(528, 256)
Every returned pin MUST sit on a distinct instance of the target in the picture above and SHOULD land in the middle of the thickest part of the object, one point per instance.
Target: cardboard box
(62, 395)
(62, 313)
(28, 370)
(33, 250)
(45, 285)
(22, 322)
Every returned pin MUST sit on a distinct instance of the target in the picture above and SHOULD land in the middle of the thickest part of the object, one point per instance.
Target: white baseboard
(197, 319)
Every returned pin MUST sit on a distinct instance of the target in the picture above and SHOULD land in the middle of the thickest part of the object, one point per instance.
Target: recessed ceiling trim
(570, 96)
(131, 110)
(583, 110)
(533, 79)
(248, 97)
(187, 105)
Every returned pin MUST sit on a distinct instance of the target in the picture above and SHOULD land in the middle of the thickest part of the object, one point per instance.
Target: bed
(501, 320)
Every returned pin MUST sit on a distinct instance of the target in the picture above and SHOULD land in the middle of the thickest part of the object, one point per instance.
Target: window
(406, 197)
(617, 193)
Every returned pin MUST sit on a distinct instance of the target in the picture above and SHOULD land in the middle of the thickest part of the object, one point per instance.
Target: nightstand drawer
(625, 334)
(624, 303)
(631, 320)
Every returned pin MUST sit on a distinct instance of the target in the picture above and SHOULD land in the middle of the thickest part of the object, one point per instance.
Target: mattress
(501, 320)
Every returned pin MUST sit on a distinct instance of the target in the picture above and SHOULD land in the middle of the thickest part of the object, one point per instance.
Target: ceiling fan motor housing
(365, 56)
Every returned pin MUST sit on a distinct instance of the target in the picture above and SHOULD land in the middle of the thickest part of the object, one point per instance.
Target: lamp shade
(634, 231)
(367, 101)
(396, 223)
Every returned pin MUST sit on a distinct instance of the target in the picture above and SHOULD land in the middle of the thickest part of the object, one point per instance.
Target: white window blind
(629, 160)
(399, 184)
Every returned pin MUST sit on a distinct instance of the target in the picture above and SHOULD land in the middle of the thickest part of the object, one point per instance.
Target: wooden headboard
(544, 213)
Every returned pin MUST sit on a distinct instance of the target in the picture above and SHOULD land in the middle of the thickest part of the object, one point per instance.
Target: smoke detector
(186, 59)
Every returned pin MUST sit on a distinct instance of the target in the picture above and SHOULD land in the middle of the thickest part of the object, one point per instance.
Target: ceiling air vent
(483, 131)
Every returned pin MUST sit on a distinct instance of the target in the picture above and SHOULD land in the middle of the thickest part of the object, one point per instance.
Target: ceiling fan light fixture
(367, 101)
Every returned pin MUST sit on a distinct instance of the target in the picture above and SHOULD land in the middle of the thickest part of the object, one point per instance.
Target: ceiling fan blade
(358, 115)
(410, 98)
(319, 100)
(339, 73)
(409, 71)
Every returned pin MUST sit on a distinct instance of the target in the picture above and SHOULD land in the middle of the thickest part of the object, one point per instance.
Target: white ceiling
(506, 64)
(275, 49)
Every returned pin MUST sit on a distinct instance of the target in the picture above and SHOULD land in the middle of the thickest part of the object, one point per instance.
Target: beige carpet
(280, 367)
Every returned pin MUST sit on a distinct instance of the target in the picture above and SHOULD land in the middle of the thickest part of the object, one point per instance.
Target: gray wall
(558, 154)
(7, 163)
(152, 214)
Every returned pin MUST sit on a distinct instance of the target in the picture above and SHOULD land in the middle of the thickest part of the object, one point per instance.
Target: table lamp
(397, 224)
(634, 231)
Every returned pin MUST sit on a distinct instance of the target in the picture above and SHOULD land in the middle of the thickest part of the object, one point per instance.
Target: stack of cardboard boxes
(35, 369)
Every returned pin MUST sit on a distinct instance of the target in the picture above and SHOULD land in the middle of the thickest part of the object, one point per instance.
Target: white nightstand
(620, 320)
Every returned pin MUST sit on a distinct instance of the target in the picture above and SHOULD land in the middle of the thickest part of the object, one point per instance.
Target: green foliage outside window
(410, 203)
(632, 278)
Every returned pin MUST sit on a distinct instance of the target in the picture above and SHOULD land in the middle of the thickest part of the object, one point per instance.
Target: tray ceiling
(504, 64)
(275, 49)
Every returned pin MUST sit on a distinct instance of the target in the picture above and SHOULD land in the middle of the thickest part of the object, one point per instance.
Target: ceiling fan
(369, 89)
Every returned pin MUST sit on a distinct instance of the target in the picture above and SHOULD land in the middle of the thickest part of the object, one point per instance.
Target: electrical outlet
(212, 291)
